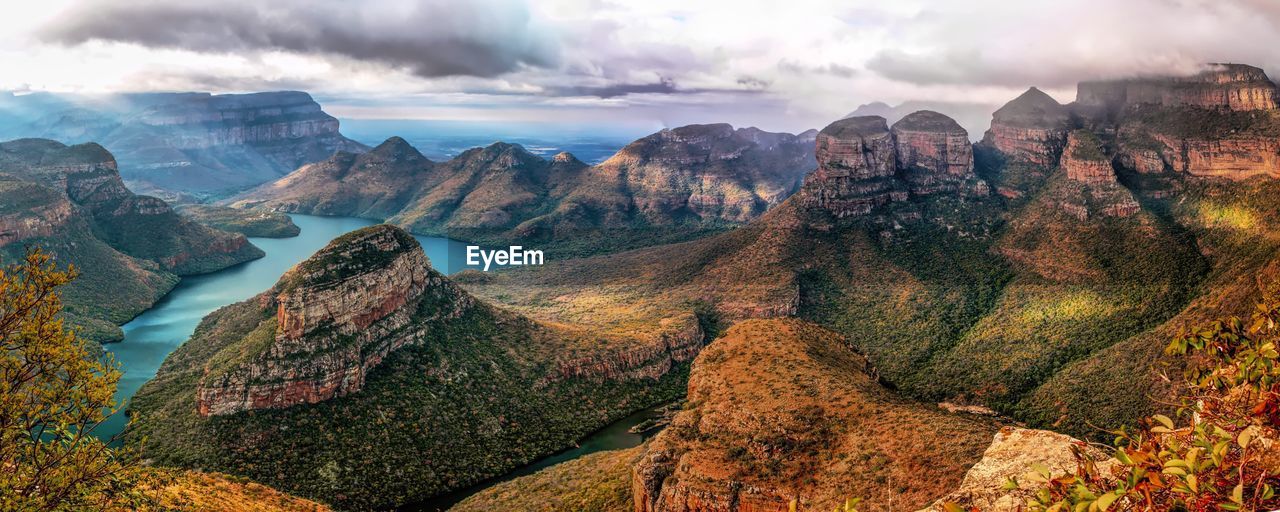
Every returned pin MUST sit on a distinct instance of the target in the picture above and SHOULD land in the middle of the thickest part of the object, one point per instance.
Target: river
(150, 337)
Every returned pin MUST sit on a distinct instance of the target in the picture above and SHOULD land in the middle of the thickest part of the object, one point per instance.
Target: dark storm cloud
(663, 86)
(431, 38)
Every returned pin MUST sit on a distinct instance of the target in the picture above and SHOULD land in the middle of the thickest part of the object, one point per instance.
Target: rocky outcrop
(338, 314)
(1092, 189)
(1012, 454)
(1032, 128)
(934, 155)
(857, 165)
(862, 164)
(679, 343)
(773, 416)
(1235, 157)
(1220, 86)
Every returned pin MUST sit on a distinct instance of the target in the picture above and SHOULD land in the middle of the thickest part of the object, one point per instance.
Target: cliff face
(857, 161)
(862, 164)
(1220, 86)
(71, 200)
(1093, 190)
(193, 144)
(338, 314)
(771, 405)
(1032, 128)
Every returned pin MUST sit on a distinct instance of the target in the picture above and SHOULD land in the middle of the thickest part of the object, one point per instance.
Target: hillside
(187, 145)
(366, 367)
(673, 185)
(71, 201)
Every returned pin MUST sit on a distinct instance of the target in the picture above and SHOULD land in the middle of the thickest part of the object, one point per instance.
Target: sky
(778, 65)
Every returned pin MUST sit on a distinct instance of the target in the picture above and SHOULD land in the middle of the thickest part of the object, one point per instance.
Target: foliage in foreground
(1221, 454)
(52, 396)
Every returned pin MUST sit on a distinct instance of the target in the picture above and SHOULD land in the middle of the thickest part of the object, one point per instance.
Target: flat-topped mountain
(670, 185)
(70, 200)
(364, 346)
(1236, 87)
(189, 144)
(863, 164)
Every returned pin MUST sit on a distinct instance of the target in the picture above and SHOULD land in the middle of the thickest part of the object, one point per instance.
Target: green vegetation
(1220, 457)
(1088, 147)
(53, 393)
(469, 402)
(253, 223)
(599, 482)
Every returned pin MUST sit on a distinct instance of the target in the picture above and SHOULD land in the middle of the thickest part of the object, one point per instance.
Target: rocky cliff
(338, 315)
(783, 410)
(1092, 190)
(1032, 128)
(70, 200)
(863, 164)
(661, 187)
(192, 144)
(1219, 86)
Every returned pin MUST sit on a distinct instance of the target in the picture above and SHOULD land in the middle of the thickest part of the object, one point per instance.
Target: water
(616, 436)
(150, 337)
(442, 140)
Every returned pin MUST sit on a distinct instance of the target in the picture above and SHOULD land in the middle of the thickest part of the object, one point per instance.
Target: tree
(1223, 452)
(53, 393)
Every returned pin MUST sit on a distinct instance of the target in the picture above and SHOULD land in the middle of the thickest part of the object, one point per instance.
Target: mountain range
(672, 185)
(883, 310)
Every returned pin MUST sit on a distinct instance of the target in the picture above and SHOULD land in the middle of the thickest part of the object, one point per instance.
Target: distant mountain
(363, 347)
(70, 200)
(974, 117)
(670, 185)
(186, 145)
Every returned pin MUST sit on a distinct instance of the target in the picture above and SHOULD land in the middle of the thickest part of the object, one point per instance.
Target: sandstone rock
(857, 162)
(338, 314)
(1220, 86)
(1031, 128)
(1012, 454)
(1085, 161)
(934, 154)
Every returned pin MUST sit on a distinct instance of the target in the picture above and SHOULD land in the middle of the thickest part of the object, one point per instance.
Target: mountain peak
(860, 126)
(396, 148)
(358, 252)
(1033, 108)
(929, 121)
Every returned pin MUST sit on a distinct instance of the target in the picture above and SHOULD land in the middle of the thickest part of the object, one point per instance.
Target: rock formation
(1012, 454)
(199, 144)
(778, 411)
(1220, 86)
(934, 155)
(338, 314)
(71, 201)
(857, 164)
(862, 164)
(1095, 191)
(1032, 128)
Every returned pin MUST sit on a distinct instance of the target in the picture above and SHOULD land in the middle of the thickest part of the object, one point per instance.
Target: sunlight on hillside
(1228, 216)
(1076, 305)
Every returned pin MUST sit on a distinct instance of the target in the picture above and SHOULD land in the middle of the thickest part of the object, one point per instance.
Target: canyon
(71, 201)
(189, 146)
(669, 186)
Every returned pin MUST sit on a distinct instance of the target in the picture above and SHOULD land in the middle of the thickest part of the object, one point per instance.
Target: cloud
(434, 38)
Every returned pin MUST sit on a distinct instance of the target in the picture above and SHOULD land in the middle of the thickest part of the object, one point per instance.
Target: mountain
(366, 379)
(672, 185)
(782, 410)
(70, 200)
(187, 145)
(246, 222)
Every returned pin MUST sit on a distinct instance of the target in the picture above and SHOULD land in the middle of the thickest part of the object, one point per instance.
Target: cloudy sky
(778, 65)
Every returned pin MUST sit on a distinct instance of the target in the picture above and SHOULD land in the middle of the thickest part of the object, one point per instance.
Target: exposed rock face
(338, 314)
(651, 361)
(71, 201)
(857, 162)
(1236, 157)
(1012, 454)
(1032, 128)
(1092, 189)
(1220, 86)
(934, 154)
(194, 143)
(1085, 161)
(787, 395)
(862, 164)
